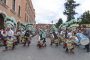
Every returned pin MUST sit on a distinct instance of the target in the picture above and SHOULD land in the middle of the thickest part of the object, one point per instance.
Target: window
(0, 0)
(25, 17)
(13, 5)
(3, 1)
(19, 10)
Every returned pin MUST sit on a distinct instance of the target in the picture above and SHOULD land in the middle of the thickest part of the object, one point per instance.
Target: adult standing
(4, 34)
(27, 39)
(1, 36)
(18, 35)
(44, 36)
(40, 34)
(69, 34)
(10, 35)
(86, 31)
(55, 35)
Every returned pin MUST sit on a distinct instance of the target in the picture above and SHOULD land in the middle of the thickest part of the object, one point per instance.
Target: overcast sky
(52, 10)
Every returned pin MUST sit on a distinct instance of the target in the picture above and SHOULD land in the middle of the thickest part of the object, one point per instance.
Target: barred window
(19, 10)
(13, 5)
(3, 1)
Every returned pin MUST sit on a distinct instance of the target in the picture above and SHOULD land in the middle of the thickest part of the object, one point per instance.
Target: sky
(51, 10)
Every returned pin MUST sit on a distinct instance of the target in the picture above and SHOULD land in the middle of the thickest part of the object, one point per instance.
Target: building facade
(21, 10)
(30, 12)
(43, 26)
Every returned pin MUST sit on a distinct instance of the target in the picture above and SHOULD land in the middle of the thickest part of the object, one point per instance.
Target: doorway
(1, 21)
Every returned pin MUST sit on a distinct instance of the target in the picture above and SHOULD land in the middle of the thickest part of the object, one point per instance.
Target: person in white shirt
(10, 32)
(69, 34)
(10, 37)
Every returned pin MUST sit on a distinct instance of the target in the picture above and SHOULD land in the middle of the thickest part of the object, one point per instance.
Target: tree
(70, 6)
(85, 17)
(60, 21)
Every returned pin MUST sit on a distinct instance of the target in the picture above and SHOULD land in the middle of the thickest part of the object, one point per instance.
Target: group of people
(10, 38)
(73, 38)
(7, 38)
(70, 39)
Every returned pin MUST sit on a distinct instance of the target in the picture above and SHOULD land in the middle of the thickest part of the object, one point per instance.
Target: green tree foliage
(70, 6)
(60, 21)
(85, 17)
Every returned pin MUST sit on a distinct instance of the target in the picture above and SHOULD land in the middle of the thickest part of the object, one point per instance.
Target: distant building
(45, 26)
(21, 10)
(87, 25)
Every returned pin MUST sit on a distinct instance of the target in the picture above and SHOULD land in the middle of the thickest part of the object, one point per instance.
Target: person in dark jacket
(86, 32)
(55, 35)
(27, 35)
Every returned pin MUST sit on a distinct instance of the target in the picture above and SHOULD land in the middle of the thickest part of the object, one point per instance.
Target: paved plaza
(48, 53)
